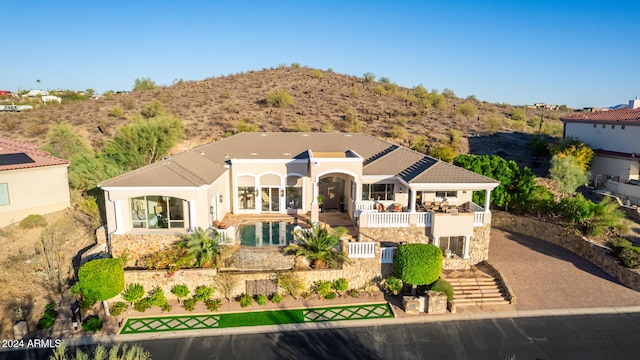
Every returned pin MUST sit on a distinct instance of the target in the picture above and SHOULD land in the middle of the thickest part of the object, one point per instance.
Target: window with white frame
(446, 194)
(453, 243)
(4, 194)
(294, 192)
(246, 193)
(157, 212)
(378, 192)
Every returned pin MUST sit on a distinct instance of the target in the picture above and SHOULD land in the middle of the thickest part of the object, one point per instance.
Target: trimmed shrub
(189, 304)
(618, 244)
(157, 298)
(142, 305)
(323, 288)
(246, 300)
(101, 279)
(48, 318)
(418, 264)
(341, 285)
(33, 221)
(330, 296)
(133, 293)
(213, 304)
(444, 286)
(393, 286)
(92, 323)
(118, 308)
(180, 291)
(630, 257)
(276, 298)
(261, 299)
(354, 293)
(202, 293)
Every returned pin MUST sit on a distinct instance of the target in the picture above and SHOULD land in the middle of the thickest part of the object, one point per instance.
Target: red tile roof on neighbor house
(17, 155)
(619, 154)
(620, 116)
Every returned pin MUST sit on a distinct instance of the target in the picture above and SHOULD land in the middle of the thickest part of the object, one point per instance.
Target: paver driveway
(546, 276)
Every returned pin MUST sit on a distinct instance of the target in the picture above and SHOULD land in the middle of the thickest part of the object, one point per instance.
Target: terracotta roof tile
(18, 155)
(620, 116)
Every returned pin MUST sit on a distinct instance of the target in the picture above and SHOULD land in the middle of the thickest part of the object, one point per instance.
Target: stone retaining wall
(137, 245)
(568, 239)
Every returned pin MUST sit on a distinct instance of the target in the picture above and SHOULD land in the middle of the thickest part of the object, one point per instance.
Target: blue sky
(578, 53)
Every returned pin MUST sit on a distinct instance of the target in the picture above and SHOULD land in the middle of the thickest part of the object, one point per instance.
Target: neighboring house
(423, 199)
(614, 136)
(34, 93)
(51, 98)
(31, 181)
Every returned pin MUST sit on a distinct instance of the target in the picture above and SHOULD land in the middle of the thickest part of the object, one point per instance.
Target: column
(436, 241)
(467, 242)
(412, 200)
(192, 215)
(487, 200)
(315, 207)
(117, 208)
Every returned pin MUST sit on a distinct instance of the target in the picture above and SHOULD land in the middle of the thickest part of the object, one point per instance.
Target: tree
(144, 141)
(443, 152)
(101, 279)
(144, 84)
(418, 264)
(318, 245)
(449, 94)
(202, 247)
(567, 173)
(63, 141)
(369, 77)
(86, 171)
(571, 146)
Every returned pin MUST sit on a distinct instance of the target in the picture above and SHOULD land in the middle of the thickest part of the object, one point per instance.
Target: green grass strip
(257, 318)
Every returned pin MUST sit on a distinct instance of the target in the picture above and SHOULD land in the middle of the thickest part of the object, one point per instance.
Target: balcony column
(487, 199)
(315, 207)
(412, 200)
(117, 209)
(467, 243)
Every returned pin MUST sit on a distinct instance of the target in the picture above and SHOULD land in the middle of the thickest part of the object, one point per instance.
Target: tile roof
(205, 163)
(620, 116)
(616, 154)
(16, 155)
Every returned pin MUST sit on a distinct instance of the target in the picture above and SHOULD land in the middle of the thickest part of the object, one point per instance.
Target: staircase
(475, 288)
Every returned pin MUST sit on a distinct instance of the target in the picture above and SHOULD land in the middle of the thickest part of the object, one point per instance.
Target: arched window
(157, 212)
(294, 192)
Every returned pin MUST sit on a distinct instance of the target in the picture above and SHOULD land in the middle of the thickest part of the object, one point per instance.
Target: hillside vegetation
(290, 98)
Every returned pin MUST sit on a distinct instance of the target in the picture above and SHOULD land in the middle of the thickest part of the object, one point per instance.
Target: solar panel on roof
(15, 159)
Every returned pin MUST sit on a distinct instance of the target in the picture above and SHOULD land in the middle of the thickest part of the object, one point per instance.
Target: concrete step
(477, 291)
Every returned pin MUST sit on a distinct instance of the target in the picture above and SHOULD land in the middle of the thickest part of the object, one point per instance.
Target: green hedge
(101, 279)
(418, 264)
(443, 286)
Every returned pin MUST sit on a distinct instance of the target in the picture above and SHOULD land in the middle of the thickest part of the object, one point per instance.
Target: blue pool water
(265, 234)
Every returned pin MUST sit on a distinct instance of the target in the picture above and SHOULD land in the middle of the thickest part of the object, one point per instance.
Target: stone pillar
(412, 200)
(467, 242)
(487, 200)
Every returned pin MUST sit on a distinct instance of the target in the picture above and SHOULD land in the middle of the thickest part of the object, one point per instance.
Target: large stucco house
(392, 193)
(31, 181)
(613, 135)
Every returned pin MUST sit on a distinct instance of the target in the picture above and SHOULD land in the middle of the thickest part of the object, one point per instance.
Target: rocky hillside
(322, 101)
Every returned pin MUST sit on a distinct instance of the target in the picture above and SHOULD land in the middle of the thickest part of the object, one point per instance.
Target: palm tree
(202, 247)
(320, 246)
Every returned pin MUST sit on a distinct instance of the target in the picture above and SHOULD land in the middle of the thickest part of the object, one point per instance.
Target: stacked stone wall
(568, 239)
(137, 245)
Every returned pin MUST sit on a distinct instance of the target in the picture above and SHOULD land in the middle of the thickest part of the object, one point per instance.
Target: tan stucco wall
(39, 190)
(616, 139)
(443, 224)
(607, 166)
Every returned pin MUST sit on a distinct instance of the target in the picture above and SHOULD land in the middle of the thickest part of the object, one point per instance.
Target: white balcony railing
(478, 218)
(386, 255)
(362, 250)
(223, 235)
(424, 219)
(388, 219)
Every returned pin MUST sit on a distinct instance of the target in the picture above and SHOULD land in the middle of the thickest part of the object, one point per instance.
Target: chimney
(634, 104)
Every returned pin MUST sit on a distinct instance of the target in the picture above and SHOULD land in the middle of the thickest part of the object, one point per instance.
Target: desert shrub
(295, 65)
(369, 77)
(118, 308)
(244, 127)
(630, 257)
(330, 296)
(302, 126)
(276, 298)
(619, 244)
(370, 287)
(418, 264)
(261, 299)
(356, 126)
(355, 293)
(606, 215)
(92, 323)
(202, 293)
(341, 285)
(189, 304)
(33, 221)
(166, 307)
(443, 152)
(467, 109)
(64, 141)
(316, 74)
(567, 173)
(246, 300)
(398, 132)
(571, 146)
(291, 283)
(144, 84)
(393, 286)
(419, 143)
(278, 98)
(101, 279)
(116, 111)
(180, 291)
(576, 209)
(494, 124)
(444, 286)
(133, 293)
(355, 92)
(539, 146)
(323, 288)
(142, 305)
(449, 94)
(212, 304)
(157, 297)
(519, 114)
(152, 109)
(48, 318)
(380, 90)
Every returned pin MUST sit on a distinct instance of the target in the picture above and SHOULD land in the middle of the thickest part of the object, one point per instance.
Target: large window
(4, 194)
(246, 198)
(157, 212)
(446, 194)
(294, 192)
(377, 192)
(453, 243)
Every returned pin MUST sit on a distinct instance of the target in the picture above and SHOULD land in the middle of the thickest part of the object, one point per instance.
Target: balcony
(469, 212)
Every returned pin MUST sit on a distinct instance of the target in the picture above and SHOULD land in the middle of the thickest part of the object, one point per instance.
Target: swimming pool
(266, 234)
